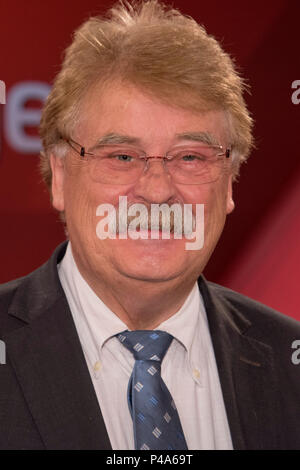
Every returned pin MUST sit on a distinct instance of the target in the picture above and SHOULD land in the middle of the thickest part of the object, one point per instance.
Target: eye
(190, 157)
(123, 157)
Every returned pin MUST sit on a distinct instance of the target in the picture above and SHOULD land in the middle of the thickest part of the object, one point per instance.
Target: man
(118, 341)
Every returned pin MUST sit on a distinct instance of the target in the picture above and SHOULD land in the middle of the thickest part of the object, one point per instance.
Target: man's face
(127, 111)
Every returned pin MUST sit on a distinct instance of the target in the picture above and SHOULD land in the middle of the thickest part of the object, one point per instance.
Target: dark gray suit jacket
(47, 399)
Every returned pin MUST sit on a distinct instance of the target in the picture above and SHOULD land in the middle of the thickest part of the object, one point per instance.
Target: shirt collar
(182, 325)
(103, 321)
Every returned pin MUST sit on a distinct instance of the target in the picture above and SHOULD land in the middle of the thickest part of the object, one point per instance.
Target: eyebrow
(204, 137)
(120, 139)
(115, 139)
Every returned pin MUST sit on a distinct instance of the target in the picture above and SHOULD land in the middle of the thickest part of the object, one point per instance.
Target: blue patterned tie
(156, 423)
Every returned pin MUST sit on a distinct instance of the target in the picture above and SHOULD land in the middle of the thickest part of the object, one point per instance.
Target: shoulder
(27, 297)
(7, 294)
(8, 289)
(264, 320)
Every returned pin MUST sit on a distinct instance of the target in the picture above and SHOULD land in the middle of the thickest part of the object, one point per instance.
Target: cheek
(80, 204)
(214, 198)
(217, 208)
(82, 198)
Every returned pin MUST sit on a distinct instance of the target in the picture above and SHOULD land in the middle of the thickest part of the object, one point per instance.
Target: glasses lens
(116, 167)
(204, 165)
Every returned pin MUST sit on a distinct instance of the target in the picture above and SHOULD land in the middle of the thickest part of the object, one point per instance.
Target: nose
(155, 184)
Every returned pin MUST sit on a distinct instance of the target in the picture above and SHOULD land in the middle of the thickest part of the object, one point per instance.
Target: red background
(259, 252)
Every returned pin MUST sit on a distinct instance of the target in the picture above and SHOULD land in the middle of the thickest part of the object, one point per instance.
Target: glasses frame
(82, 152)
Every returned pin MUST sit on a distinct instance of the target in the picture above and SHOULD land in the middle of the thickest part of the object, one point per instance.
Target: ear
(230, 203)
(58, 174)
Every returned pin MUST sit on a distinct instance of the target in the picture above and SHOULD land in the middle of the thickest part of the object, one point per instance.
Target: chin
(151, 268)
(150, 276)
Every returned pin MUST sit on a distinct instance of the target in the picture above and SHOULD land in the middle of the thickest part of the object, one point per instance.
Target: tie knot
(146, 344)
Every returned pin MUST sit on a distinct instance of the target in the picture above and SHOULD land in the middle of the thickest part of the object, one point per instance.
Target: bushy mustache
(175, 218)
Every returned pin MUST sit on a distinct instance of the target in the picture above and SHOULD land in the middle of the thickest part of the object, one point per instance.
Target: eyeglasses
(116, 164)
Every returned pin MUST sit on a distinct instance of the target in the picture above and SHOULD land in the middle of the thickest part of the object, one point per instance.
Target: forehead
(128, 110)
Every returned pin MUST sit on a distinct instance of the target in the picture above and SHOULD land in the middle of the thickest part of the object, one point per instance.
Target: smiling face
(154, 128)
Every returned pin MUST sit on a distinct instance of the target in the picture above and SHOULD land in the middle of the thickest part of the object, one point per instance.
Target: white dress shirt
(188, 369)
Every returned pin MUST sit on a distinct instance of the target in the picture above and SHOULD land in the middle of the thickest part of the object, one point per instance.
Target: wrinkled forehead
(123, 109)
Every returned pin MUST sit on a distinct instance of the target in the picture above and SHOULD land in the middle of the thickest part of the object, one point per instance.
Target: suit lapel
(246, 373)
(49, 363)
